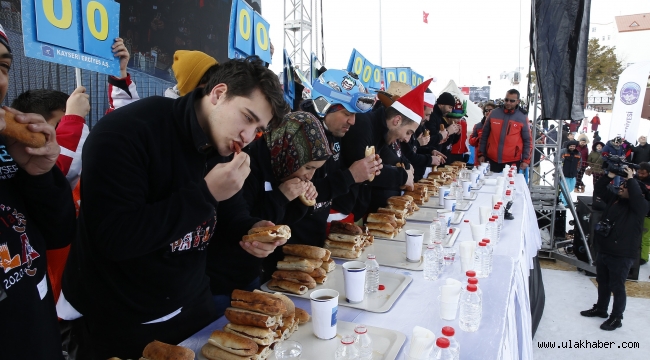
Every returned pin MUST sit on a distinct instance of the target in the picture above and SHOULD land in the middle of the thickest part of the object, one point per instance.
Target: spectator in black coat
(641, 151)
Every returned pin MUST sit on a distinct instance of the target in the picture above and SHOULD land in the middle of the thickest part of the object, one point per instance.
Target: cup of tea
(414, 240)
(450, 203)
(324, 310)
(354, 277)
(443, 192)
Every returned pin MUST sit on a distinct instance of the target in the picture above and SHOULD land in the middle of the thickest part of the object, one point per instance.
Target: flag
(425, 17)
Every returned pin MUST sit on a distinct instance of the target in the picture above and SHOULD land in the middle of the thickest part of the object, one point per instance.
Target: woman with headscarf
(595, 161)
(283, 163)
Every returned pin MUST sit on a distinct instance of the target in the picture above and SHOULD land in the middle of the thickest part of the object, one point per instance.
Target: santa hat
(4, 40)
(411, 105)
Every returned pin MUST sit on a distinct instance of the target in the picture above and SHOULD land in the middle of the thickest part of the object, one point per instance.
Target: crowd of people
(146, 242)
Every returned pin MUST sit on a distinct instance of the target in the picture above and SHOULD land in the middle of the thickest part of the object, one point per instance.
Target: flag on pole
(425, 17)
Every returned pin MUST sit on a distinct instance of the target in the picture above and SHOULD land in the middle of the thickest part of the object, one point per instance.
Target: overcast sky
(465, 40)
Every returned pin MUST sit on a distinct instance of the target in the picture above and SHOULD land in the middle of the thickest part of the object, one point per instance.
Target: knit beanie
(4, 40)
(189, 67)
(446, 99)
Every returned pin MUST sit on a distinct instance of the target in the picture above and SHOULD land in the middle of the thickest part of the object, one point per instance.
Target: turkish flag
(425, 17)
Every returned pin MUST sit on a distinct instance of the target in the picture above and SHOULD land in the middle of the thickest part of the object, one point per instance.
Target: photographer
(618, 236)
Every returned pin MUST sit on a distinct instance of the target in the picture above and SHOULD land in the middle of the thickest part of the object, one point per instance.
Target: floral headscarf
(298, 139)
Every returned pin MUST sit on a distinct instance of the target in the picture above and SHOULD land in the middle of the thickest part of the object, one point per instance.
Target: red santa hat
(429, 99)
(4, 40)
(411, 105)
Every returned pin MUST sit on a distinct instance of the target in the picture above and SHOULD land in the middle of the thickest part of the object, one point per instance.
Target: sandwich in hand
(305, 201)
(268, 234)
(157, 350)
(21, 133)
(370, 150)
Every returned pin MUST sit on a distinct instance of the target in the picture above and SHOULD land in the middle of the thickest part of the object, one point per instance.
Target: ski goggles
(356, 103)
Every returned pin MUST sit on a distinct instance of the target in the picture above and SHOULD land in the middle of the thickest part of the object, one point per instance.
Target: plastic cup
(287, 349)
(443, 192)
(467, 188)
(478, 232)
(450, 203)
(354, 277)
(414, 241)
(324, 310)
(466, 250)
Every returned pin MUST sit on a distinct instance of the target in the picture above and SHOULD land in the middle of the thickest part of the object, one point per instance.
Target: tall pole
(381, 64)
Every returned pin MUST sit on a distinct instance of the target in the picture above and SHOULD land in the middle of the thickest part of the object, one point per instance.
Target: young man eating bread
(137, 269)
(37, 214)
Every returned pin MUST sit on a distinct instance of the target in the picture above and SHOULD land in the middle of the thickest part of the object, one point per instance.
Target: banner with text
(248, 34)
(628, 101)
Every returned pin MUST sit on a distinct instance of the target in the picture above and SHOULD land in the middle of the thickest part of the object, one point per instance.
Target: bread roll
(318, 272)
(233, 343)
(329, 265)
(268, 234)
(157, 350)
(212, 352)
(381, 226)
(304, 200)
(288, 304)
(397, 203)
(370, 150)
(346, 254)
(263, 303)
(249, 318)
(388, 219)
(327, 255)
(381, 234)
(330, 244)
(306, 251)
(298, 277)
(425, 133)
(399, 214)
(320, 280)
(344, 228)
(21, 133)
(344, 238)
(287, 286)
(302, 316)
(261, 336)
(302, 265)
(314, 262)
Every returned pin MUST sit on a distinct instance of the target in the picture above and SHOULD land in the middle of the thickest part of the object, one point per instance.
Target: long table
(505, 330)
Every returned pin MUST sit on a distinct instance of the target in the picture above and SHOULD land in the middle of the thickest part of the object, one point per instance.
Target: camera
(603, 227)
(617, 165)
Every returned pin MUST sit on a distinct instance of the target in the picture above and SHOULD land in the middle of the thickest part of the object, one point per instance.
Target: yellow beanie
(189, 67)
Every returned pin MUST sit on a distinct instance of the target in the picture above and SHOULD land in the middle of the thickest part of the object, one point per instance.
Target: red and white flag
(425, 17)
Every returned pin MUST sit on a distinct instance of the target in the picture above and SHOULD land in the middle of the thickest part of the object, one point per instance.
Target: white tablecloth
(505, 330)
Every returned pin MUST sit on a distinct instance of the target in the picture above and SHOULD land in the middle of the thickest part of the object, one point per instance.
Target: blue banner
(288, 86)
(315, 67)
(390, 74)
(77, 33)
(248, 34)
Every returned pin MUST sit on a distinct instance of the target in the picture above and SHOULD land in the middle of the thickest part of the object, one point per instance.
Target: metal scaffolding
(298, 31)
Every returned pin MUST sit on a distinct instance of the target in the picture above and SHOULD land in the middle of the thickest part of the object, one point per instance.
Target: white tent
(474, 113)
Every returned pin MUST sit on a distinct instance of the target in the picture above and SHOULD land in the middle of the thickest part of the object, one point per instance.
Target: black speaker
(560, 222)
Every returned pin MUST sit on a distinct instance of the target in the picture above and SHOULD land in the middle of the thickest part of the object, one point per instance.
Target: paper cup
(450, 203)
(427, 171)
(354, 277)
(414, 241)
(324, 310)
(445, 217)
(478, 232)
(484, 213)
(467, 187)
(466, 249)
(443, 192)
(448, 309)
(474, 176)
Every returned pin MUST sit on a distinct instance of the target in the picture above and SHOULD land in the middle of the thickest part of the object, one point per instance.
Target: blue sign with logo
(249, 33)
(288, 86)
(630, 93)
(77, 33)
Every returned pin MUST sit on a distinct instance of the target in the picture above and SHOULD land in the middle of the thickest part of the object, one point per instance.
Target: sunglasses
(487, 110)
(510, 100)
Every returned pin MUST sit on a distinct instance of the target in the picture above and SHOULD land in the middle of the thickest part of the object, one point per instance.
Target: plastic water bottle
(511, 186)
(435, 231)
(480, 261)
(474, 281)
(499, 225)
(444, 226)
(490, 251)
(470, 310)
(508, 197)
(433, 261)
(442, 351)
(448, 333)
(502, 209)
(491, 231)
(458, 192)
(372, 274)
(347, 350)
(363, 342)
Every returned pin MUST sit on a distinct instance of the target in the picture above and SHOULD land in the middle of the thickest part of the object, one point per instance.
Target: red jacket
(475, 140)
(460, 147)
(506, 137)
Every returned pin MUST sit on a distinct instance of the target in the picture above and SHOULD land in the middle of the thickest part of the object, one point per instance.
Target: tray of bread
(256, 321)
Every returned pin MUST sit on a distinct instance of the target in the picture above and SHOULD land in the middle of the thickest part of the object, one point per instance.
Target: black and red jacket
(506, 137)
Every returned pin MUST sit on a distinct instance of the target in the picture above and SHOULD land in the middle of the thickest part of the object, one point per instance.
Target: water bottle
(458, 192)
(508, 197)
(372, 274)
(490, 251)
(491, 231)
(448, 333)
(442, 351)
(499, 225)
(502, 209)
(480, 261)
(363, 342)
(347, 350)
(444, 227)
(435, 231)
(474, 281)
(431, 270)
(470, 310)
